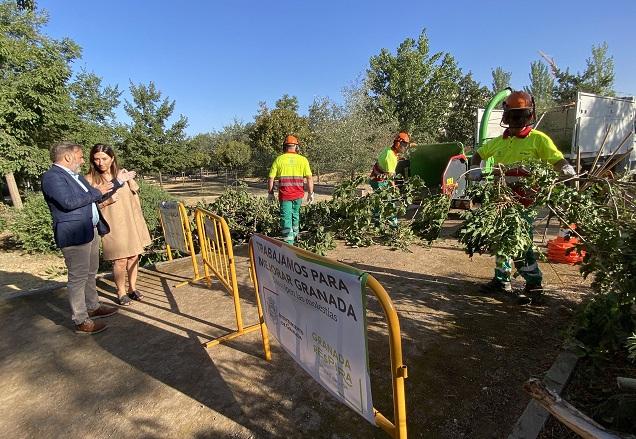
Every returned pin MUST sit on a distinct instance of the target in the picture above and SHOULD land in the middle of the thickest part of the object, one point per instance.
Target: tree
(271, 127)
(323, 118)
(236, 130)
(601, 71)
(93, 105)
(463, 116)
(233, 154)
(203, 143)
(35, 106)
(347, 138)
(414, 87)
(597, 78)
(151, 146)
(541, 85)
(500, 79)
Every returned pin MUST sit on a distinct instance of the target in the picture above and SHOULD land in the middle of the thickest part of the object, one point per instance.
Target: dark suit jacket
(71, 208)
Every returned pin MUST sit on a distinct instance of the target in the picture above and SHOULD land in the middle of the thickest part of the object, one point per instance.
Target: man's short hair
(59, 149)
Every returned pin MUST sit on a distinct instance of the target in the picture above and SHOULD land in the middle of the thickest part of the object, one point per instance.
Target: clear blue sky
(217, 59)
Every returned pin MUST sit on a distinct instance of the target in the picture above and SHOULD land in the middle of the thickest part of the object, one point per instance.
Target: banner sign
(173, 229)
(317, 312)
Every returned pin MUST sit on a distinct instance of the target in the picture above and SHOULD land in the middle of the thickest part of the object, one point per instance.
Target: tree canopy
(94, 107)
(500, 79)
(35, 106)
(347, 138)
(597, 78)
(541, 85)
(463, 116)
(271, 126)
(414, 86)
(151, 145)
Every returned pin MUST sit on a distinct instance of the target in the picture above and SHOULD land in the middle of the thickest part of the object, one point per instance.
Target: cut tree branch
(569, 415)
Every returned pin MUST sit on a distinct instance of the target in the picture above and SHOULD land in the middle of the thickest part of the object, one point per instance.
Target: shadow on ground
(149, 376)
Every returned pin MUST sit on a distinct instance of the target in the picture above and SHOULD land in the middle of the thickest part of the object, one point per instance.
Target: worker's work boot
(532, 295)
(496, 287)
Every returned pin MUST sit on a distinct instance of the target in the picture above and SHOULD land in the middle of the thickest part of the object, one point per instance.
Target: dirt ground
(148, 376)
(23, 272)
(191, 192)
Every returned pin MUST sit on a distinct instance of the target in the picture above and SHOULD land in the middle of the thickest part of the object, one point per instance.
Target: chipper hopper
(442, 167)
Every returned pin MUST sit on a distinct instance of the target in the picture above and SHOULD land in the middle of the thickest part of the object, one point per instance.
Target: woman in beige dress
(128, 231)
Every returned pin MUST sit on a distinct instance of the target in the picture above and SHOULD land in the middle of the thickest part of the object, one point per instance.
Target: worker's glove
(568, 170)
(271, 197)
(475, 173)
(310, 197)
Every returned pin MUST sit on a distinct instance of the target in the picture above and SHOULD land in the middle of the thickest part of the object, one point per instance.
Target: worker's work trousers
(526, 265)
(376, 186)
(82, 262)
(290, 219)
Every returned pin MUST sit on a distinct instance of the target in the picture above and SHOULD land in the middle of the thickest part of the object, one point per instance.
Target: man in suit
(77, 227)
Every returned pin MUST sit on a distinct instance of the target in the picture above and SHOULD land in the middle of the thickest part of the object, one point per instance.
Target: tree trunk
(13, 190)
(160, 180)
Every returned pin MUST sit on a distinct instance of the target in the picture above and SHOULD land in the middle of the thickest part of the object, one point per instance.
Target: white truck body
(583, 127)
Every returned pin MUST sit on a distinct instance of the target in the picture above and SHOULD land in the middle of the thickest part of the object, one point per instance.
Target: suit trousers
(82, 262)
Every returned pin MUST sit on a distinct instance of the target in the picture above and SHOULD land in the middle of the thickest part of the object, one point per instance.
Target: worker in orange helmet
(519, 143)
(292, 171)
(383, 170)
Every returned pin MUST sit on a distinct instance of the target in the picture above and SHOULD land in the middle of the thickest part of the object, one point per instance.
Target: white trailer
(579, 130)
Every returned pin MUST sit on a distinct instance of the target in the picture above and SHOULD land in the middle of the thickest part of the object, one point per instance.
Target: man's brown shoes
(90, 327)
(102, 311)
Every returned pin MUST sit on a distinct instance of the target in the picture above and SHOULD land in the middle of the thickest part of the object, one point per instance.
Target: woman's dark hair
(96, 175)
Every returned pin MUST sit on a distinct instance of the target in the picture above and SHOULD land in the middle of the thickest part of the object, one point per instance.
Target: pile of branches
(358, 219)
(604, 211)
(245, 214)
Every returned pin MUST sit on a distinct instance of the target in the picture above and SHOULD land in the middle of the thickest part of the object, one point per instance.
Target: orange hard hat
(518, 100)
(402, 136)
(291, 140)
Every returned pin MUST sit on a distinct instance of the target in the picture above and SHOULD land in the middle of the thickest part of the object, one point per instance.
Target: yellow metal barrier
(397, 428)
(175, 224)
(218, 257)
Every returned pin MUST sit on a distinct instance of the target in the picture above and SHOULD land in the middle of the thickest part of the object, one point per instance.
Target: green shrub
(32, 229)
(31, 226)
(151, 196)
(6, 213)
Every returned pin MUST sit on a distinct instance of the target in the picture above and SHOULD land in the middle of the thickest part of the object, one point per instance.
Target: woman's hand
(104, 187)
(124, 175)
